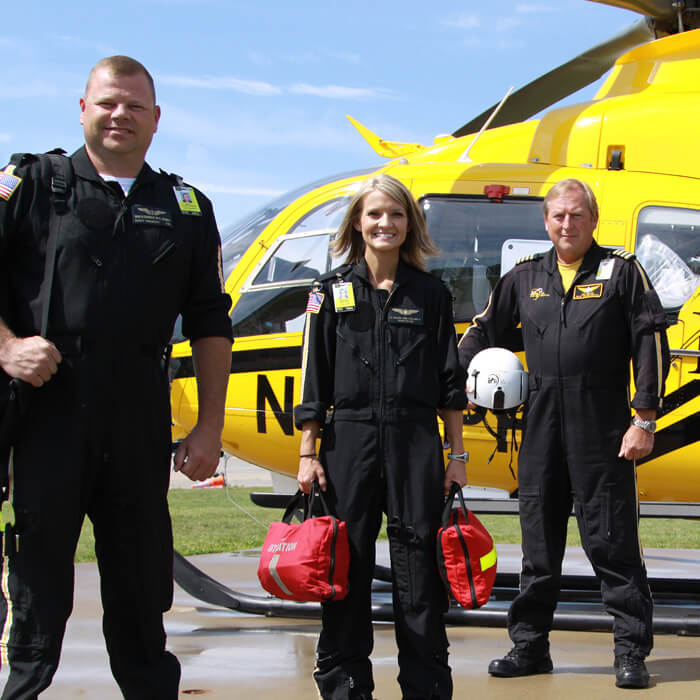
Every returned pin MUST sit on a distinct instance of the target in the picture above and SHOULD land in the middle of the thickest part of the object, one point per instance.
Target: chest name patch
(148, 216)
(588, 291)
(410, 317)
(538, 293)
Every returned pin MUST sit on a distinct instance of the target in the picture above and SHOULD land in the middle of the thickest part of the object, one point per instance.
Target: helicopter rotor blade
(657, 9)
(563, 80)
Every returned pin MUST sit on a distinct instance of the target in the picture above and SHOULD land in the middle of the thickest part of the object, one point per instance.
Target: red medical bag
(466, 554)
(306, 561)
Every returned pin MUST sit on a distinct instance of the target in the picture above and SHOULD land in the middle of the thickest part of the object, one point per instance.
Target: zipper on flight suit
(381, 340)
(560, 388)
(562, 324)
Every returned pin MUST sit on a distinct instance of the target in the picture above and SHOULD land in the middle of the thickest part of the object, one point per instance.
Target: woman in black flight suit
(379, 362)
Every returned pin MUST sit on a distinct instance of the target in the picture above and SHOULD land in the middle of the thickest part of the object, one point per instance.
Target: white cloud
(263, 89)
(338, 91)
(238, 127)
(464, 21)
(249, 87)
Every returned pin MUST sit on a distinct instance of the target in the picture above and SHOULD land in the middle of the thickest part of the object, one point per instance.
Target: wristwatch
(648, 425)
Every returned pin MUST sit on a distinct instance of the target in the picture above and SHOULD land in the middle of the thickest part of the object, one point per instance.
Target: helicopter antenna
(464, 158)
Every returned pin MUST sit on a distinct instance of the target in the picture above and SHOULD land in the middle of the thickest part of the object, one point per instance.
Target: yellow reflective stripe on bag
(488, 560)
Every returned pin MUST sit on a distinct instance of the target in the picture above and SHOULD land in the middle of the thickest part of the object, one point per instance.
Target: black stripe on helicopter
(245, 361)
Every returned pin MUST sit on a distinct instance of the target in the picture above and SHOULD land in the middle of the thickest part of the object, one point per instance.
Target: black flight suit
(578, 348)
(97, 437)
(374, 378)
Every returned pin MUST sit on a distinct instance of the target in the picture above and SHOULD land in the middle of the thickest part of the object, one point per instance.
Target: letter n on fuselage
(266, 396)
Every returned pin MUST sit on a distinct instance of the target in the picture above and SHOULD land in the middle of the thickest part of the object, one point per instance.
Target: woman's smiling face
(383, 222)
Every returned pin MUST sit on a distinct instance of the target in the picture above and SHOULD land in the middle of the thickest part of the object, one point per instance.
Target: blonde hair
(418, 245)
(571, 184)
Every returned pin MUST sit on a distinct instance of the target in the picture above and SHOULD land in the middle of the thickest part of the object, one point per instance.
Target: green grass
(205, 521)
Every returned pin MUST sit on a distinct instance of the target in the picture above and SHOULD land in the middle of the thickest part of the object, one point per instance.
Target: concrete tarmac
(225, 654)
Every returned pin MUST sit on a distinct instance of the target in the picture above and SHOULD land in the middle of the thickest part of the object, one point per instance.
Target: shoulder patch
(622, 253)
(530, 258)
(8, 182)
(314, 302)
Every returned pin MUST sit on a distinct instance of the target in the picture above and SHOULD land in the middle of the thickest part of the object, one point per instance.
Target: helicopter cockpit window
(668, 246)
(237, 238)
(302, 254)
(274, 301)
(475, 237)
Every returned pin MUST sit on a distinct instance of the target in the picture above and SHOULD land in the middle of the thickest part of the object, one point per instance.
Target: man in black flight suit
(132, 253)
(585, 312)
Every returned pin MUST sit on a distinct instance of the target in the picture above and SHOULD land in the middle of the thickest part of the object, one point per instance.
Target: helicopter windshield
(238, 237)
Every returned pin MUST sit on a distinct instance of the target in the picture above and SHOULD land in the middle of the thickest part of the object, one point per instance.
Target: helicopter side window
(295, 259)
(668, 247)
(274, 298)
(475, 237)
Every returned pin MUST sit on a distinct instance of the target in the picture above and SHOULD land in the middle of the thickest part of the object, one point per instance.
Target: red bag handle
(455, 490)
(305, 503)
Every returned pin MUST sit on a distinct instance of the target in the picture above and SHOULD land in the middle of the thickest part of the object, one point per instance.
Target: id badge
(187, 200)
(605, 269)
(343, 297)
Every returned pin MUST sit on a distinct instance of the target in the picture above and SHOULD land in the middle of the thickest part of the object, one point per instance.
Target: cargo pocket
(608, 525)
(535, 538)
(622, 523)
(402, 548)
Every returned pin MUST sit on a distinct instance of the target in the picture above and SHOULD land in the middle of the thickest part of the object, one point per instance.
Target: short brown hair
(571, 184)
(122, 65)
(418, 245)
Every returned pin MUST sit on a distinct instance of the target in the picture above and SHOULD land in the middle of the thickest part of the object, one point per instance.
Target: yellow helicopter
(481, 190)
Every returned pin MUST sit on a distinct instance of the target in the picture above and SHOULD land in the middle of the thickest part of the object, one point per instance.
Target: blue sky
(254, 94)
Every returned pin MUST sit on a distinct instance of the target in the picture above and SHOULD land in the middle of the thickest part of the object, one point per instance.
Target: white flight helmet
(496, 379)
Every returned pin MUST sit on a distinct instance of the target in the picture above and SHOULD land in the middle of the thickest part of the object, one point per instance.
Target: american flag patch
(8, 184)
(313, 305)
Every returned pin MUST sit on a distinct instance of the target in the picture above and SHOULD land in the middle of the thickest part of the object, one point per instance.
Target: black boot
(522, 661)
(630, 672)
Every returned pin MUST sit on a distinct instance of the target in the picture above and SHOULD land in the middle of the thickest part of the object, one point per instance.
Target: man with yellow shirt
(585, 312)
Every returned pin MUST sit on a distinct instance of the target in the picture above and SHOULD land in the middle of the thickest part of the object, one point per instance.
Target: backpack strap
(61, 179)
(59, 185)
